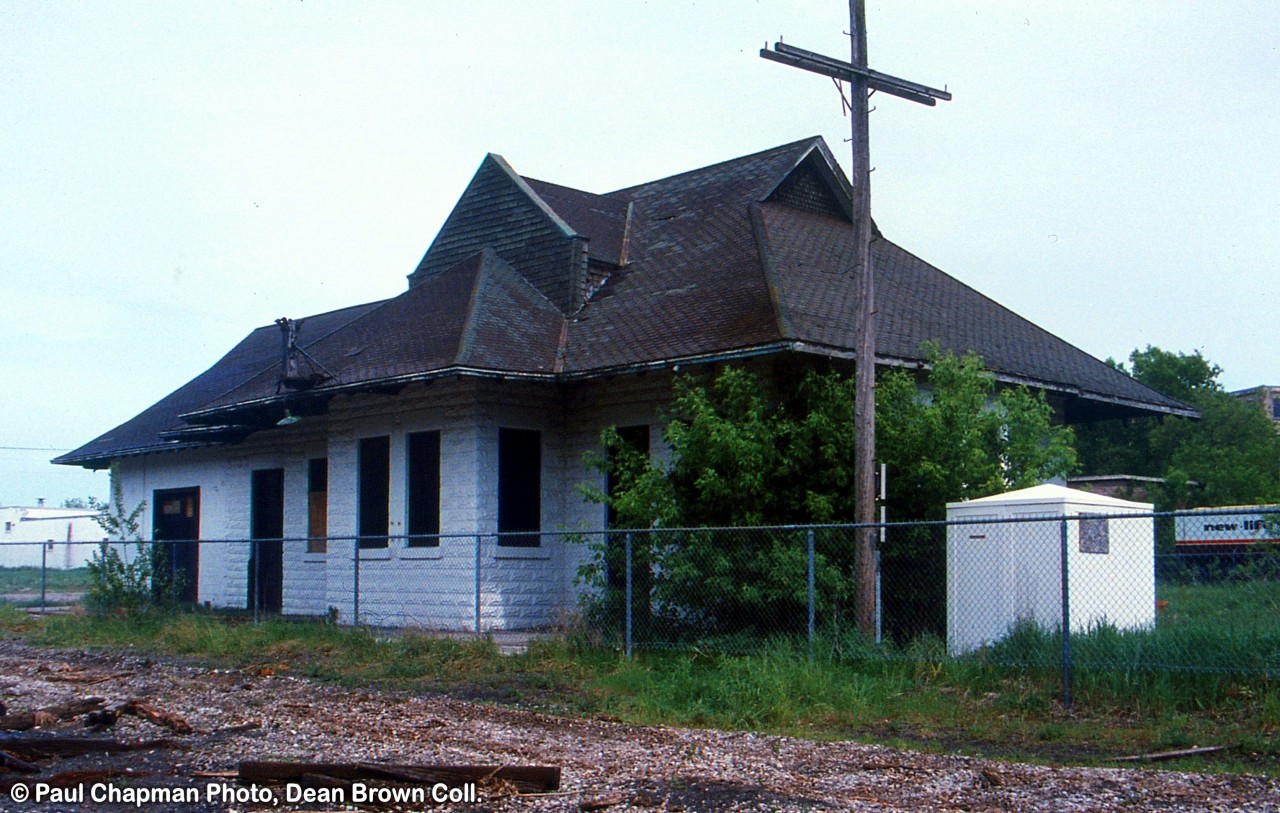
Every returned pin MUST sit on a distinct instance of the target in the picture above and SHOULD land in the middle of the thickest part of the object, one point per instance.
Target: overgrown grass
(1216, 628)
(967, 706)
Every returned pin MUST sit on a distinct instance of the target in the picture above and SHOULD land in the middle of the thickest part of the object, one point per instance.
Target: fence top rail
(569, 534)
(1196, 513)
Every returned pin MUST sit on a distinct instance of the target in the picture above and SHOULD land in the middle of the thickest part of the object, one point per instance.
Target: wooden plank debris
(104, 718)
(151, 714)
(86, 678)
(40, 745)
(36, 718)
(1185, 752)
(11, 762)
(524, 778)
(602, 802)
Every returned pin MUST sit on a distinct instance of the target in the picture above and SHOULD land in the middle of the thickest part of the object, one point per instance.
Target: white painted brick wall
(431, 587)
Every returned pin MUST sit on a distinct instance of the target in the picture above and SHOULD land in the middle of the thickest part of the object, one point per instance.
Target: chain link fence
(1090, 591)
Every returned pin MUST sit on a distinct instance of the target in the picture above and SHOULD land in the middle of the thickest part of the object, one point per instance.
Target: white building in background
(64, 532)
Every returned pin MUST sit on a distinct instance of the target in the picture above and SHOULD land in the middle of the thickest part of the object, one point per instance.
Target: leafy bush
(749, 450)
(126, 574)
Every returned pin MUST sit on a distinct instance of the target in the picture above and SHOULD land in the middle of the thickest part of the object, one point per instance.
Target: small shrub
(115, 582)
(119, 582)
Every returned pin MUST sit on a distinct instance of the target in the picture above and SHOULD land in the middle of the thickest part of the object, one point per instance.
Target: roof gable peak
(499, 210)
(815, 182)
(523, 186)
(753, 163)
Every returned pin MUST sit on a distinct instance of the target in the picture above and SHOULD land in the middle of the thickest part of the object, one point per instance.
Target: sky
(173, 175)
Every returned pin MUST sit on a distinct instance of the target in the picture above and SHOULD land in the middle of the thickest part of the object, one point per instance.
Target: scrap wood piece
(525, 778)
(8, 760)
(145, 711)
(602, 802)
(1185, 752)
(102, 718)
(87, 678)
(238, 728)
(53, 669)
(26, 720)
(40, 745)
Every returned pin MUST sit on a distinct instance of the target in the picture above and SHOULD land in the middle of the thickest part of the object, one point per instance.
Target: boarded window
(374, 490)
(1094, 534)
(318, 505)
(423, 451)
(519, 487)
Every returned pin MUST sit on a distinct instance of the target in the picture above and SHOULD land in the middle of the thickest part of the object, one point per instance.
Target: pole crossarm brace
(845, 71)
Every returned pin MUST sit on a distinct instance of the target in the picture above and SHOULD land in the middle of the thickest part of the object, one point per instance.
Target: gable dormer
(501, 212)
(815, 183)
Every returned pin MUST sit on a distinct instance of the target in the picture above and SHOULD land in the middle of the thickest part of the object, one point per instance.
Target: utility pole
(862, 82)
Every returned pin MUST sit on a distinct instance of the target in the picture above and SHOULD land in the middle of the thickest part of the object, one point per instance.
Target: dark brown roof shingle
(746, 256)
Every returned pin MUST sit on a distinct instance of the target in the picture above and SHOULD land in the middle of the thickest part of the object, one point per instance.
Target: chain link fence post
(255, 554)
(627, 623)
(1066, 619)
(44, 574)
(812, 590)
(355, 582)
(479, 626)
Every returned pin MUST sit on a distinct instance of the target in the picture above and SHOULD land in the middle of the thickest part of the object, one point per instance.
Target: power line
(33, 449)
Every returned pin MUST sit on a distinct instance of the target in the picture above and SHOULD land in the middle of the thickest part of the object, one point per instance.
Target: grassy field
(970, 707)
(14, 580)
(1248, 607)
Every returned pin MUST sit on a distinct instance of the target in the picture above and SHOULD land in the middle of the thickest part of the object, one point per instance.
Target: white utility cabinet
(1006, 567)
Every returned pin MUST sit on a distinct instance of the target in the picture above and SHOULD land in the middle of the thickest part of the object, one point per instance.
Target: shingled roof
(531, 279)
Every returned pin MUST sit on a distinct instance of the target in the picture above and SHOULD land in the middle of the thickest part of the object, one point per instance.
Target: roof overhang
(1089, 405)
(232, 423)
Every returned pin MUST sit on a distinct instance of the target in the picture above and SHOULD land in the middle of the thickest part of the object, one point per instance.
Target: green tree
(743, 455)
(1178, 375)
(1231, 456)
(746, 453)
(961, 438)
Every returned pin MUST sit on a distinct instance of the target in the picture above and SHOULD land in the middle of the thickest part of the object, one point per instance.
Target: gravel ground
(606, 765)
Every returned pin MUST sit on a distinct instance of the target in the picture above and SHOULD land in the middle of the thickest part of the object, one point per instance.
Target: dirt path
(621, 767)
